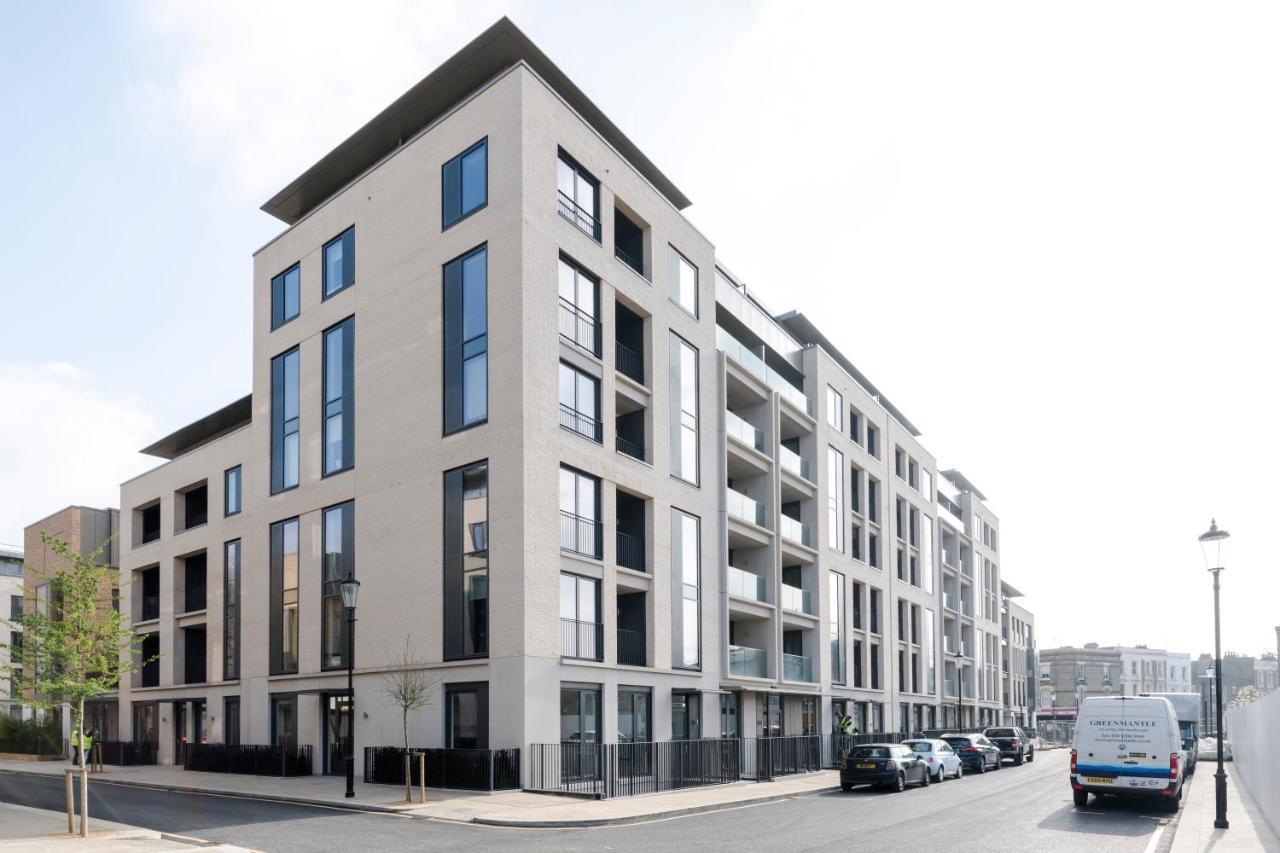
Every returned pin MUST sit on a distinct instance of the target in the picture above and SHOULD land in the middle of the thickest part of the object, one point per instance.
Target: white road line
(1155, 839)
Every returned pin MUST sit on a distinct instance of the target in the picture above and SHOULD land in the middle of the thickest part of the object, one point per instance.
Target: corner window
(339, 391)
(340, 262)
(466, 340)
(578, 196)
(466, 561)
(684, 282)
(835, 409)
(285, 296)
(464, 183)
(231, 491)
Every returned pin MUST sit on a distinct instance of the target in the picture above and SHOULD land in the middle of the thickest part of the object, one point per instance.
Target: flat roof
(494, 50)
(204, 430)
(1009, 589)
(963, 483)
(803, 328)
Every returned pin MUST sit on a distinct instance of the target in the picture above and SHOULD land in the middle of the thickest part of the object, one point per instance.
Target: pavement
(37, 830)
(1248, 828)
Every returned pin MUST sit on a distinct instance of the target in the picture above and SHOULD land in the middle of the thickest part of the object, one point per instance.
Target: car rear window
(919, 745)
(870, 752)
(958, 741)
(1001, 733)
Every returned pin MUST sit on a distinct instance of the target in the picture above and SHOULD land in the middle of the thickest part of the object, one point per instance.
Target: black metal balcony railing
(581, 423)
(579, 327)
(581, 640)
(633, 449)
(629, 362)
(580, 535)
(623, 256)
(631, 551)
(579, 216)
(194, 598)
(631, 647)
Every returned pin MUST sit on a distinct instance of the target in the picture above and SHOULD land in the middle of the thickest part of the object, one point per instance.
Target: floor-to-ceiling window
(684, 410)
(466, 340)
(284, 597)
(686, 629)
(284, 421)
(338, 565)
(466, 561)
(686, 715)
(466, 710)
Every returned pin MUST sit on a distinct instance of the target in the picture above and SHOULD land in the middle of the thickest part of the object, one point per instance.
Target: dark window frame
(348, 240)
(580, 173)
(280, 426)
(454, 409)
(278, 301)
(227, 511)
(481, 691)
(453, 600)
(230, 734)
(574, 413)
(446, 220)
(231, 609)
(330, 587)
(344, 406)
(276, 598)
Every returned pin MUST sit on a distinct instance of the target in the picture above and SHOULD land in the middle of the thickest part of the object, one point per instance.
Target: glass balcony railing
(743, 507)
(756, 366)
(743, 431)
(794, 462)
(748, 662)
(796, 599)
(745, 584)
(796, 531)
(797, 668)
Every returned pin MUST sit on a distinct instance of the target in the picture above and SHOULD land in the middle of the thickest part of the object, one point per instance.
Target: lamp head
(350, 589)
(1213, 544)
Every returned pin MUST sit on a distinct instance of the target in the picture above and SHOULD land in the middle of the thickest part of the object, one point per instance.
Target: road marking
(1155, 839)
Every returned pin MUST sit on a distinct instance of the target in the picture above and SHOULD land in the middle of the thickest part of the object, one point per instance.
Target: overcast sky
(1048, 231)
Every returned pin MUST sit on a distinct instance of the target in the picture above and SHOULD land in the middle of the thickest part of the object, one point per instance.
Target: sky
(1047, 231)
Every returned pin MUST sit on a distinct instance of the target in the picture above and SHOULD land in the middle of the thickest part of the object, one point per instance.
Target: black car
(1013, 742)
(887, 764)
(975, 751)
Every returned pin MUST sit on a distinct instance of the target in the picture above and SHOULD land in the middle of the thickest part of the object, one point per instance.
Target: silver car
(939, 756)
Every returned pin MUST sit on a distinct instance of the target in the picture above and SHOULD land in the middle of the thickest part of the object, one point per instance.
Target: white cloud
(259, 91)
(64, 441)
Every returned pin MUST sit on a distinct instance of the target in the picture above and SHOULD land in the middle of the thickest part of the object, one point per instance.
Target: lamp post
(1213, 542)
(959, 690)
(350, 589)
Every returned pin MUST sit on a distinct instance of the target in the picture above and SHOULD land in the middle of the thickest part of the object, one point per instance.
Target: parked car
(940, 757)
(1127, 746)
(1013, 743)
(1209, 749)
(975, 751)
(883, 764)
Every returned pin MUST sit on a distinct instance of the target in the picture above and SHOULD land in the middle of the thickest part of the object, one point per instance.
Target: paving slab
(1195, 832)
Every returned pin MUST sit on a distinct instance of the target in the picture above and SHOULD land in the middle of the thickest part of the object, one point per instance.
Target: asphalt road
(1017, 808)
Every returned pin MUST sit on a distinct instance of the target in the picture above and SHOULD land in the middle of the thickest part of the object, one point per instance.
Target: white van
(1127, 746)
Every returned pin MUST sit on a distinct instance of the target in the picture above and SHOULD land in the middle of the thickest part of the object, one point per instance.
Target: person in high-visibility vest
(76, 745)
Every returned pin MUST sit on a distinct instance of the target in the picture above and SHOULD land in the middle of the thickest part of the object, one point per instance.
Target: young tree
(75, 646)
(410, 686)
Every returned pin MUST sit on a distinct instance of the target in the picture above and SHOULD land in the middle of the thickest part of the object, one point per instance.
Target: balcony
(948, 646)
(581, 423)
(628, 362)
(747, 662)
(745, 584)
(579, 327)
(795, 530)
(796, 599)
(631, 551)
(756, 366)
(150, 607)
(580, 535)
(581, 640)
(630, 448)
(737, 428)
(795, 463)
(742, 507)
(630, 648)
(796, 668)
(578, 215)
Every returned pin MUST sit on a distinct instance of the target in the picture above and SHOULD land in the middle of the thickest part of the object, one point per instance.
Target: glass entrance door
(580, 732)
(179, 731)
(337, 734)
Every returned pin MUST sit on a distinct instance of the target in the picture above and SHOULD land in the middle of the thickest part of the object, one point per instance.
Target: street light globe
(350, 589)
(1213, 544)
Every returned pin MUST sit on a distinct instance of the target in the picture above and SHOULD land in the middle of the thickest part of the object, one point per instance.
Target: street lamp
(1213, 543)
(350, 589)
(959, 690)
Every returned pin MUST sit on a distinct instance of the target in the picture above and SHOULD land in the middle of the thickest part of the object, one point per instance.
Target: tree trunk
(408, 768)
(84, 773)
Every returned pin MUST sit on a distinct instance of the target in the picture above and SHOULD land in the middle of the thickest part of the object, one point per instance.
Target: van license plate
(1099, 780)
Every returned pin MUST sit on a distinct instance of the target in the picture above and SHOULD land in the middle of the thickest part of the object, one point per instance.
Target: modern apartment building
(597, 487)
(1020, 665)
(11, 596)
(86, 530)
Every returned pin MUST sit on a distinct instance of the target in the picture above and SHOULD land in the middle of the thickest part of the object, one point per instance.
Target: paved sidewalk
(26, 829)
(504, 808)
(1195, 832)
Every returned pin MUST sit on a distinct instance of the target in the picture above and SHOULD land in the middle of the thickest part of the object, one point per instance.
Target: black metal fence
(462, 769)
(765, 758)
(124, 753)
(253, 759)
(603, 770)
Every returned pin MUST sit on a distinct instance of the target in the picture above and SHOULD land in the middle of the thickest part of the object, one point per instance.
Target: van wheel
(846, 787)
(1171, 803)
(1081, 798)
(1031, 756)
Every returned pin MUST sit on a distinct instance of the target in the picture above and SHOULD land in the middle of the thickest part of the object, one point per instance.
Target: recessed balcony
(746, 662)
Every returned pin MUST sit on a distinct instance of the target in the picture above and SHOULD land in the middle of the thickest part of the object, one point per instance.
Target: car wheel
(846, 787)
(1031, 756)
(960, 770)
(925, 778)
(1018, 761)
(942, 774)
(1081, 798)
(900, 784)
(982, 765)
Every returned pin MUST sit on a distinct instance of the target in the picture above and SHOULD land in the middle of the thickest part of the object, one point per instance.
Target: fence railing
(581, 535)
(625, 769)
(581, 423)
(629, 362)
(253, 759)
(764, 758)
(631, 647)
(579, 327)
(123, 753)
(631, 551)
(581, 640)
(634, 449)
(578, 215)
(461, 769)
(628, 260)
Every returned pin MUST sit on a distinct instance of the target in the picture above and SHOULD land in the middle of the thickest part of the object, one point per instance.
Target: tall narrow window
(339, 396)
(466, 340)
(686, 626)
(580, 529)
(579, 295)
(581, 634)
(284, 421)
(466, 710)
(466, 561)
(836, 622)
(580, 402)
(231, 720)
(684, 282)
(464, 183)
(286, 291)
(284, 597)
(835, 409)
(684, 410)
(578, 195)
(231, 610)
(835, 499)
(339, 532)
(231, 491)
(873, 441)
(340, 262)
